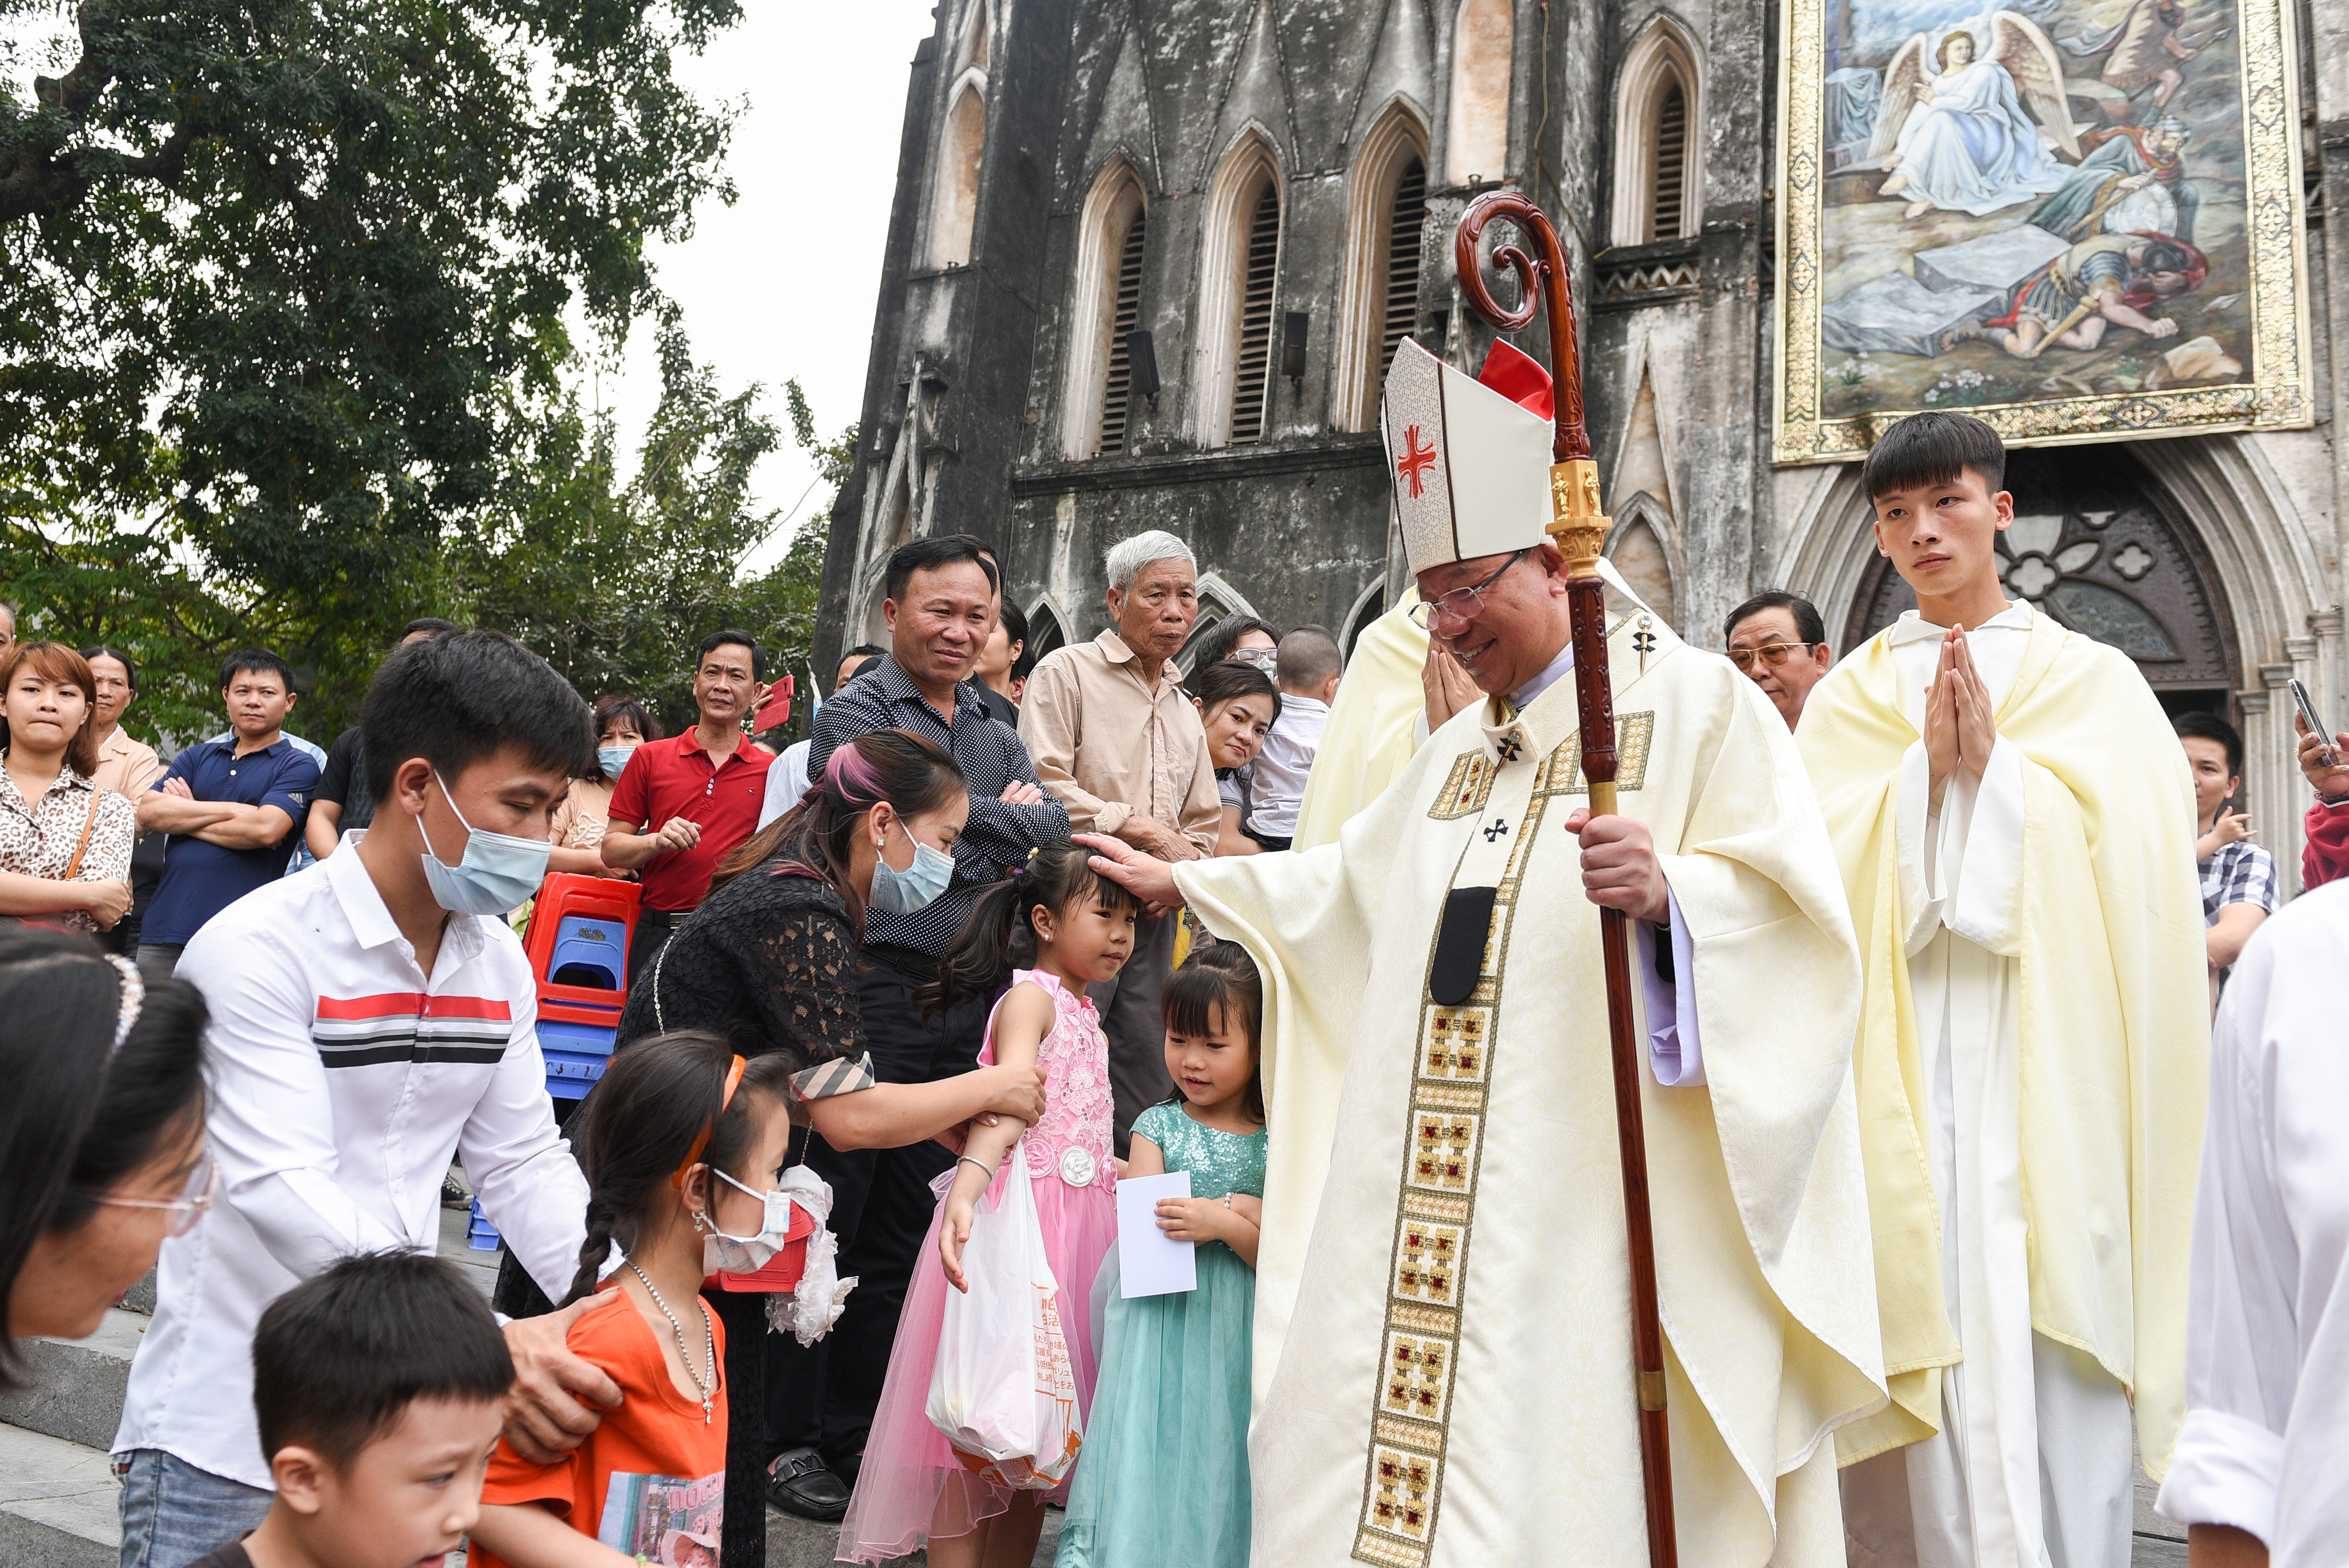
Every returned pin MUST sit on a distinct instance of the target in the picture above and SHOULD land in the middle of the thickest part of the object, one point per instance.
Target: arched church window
(1045, 632)
(2094, 546)
(954, 211)
(1107, 310)
(1636, 546)
(1256, 320)
(1478, 129)
(1235, 307)
(1657, 169)
(1387, 211)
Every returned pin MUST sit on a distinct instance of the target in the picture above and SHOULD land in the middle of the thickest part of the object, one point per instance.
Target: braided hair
(639, 1122)
(1000, 934)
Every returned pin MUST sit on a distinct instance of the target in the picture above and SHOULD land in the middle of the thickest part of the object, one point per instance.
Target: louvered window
(1117, 388)
(1670, 164)
(1410, 215)
(1255, 321)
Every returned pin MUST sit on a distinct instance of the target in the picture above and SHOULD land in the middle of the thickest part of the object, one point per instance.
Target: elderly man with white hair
(1117, 743)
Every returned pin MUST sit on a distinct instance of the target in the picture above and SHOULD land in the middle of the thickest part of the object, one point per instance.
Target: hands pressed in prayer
(1958, 729)
(1619, 868)
(1446, 685)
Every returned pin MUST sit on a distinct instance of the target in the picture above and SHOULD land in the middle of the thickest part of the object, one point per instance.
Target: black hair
(913, 773)
(1219, 979)
(338, 1360)
(999, 933)
(862, 651)
(1808, 627)
(1228, 680)
(640, 1123)
(1308, 656)
(865, 661)
(929, 555)
(614, 708)
(1933, 448)
(432, 624)
(1015, 622)
(107, 651)
(458, 697)
(254, 660)
(2210, 726)
(729, 638)
(80, 1114)
(1216, 642)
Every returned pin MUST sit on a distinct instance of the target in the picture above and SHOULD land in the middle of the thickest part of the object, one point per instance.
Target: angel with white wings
(1956, 135)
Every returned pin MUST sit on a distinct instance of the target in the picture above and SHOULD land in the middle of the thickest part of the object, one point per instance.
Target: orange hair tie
(701, 1139)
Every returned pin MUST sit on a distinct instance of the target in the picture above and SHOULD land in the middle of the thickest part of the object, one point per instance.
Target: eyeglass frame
(1423, 614)
(1756, 652)
(188, 1208)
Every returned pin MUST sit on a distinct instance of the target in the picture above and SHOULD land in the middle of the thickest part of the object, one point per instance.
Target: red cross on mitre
(1415, 461)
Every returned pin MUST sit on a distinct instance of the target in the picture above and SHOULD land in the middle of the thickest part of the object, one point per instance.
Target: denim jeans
(173, 1513)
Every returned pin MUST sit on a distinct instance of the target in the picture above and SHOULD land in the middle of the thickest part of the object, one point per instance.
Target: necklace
(708, 1388)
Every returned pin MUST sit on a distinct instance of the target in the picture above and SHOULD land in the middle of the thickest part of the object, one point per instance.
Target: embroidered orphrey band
(1428, 1269)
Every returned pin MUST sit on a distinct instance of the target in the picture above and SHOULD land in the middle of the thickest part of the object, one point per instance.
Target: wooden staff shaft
(1579, 527)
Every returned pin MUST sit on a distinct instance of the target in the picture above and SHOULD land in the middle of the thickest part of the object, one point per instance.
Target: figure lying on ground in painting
(2144, 48)
(2112, 280)
(1958, 138)
(2134, 182)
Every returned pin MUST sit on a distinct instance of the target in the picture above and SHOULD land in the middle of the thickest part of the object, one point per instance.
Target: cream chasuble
(1373, 725)
(2031, 1145)
(1442, 1347)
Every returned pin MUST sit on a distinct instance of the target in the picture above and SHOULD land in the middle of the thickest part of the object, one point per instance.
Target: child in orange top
(680, 1142)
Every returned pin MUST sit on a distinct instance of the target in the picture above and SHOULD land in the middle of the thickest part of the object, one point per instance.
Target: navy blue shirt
(200, 879)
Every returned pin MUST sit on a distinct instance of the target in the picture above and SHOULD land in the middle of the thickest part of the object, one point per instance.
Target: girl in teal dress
(1163, 1481)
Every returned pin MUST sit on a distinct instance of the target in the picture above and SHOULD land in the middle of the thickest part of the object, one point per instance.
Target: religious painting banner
(2077, 219)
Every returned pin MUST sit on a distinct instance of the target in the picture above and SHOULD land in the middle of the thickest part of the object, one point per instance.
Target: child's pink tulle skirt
(911, 1486)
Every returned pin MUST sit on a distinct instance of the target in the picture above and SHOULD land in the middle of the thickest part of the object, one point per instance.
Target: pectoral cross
(1500, 826)
(1643, 642)
(1509, 746)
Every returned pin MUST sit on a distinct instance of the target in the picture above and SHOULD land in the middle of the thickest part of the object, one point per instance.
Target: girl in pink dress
(912, 1488)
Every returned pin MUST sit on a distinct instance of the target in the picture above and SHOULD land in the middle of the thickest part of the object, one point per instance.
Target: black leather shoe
(799, 1482)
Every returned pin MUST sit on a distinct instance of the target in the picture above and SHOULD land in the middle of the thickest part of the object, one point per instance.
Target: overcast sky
(781, 284)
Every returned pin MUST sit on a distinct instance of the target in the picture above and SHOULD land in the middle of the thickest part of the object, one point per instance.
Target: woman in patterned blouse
(64, 843)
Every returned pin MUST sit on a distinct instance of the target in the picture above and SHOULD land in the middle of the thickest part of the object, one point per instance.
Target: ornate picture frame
(2078, 220)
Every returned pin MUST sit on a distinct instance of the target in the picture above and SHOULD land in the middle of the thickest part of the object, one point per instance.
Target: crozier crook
(1579, 527)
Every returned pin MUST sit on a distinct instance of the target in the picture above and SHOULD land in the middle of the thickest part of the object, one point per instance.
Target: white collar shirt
(1277, 778)
(343, 1079)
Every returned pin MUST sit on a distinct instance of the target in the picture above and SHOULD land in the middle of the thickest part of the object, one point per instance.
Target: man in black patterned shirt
(939, 599)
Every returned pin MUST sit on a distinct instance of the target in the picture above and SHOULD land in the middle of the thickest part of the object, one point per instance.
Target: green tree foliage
(283, 287)
(288, 280)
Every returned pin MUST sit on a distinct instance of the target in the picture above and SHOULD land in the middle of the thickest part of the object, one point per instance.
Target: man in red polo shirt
(682, 804)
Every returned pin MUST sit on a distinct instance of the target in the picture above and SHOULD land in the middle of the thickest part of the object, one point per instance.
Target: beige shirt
(584, 815)
(128, 767)
(1108, 745)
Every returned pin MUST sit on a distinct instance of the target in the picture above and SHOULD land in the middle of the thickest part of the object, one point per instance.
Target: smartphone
(2315, 725)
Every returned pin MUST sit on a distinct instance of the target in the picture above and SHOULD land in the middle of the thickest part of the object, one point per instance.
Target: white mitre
(1468, 456)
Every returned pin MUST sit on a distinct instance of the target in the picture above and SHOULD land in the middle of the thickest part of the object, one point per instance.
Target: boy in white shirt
(1309, 662)
(371, 1017)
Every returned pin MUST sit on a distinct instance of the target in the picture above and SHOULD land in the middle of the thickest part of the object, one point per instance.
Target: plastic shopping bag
(1002, 1389)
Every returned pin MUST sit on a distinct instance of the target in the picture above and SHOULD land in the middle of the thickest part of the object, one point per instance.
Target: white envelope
(1149, 1260)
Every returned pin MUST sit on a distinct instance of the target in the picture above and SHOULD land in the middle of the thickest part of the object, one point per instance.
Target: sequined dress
(1164, 1480)
(911, 1486)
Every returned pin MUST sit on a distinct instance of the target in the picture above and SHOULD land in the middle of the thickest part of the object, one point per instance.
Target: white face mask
(745, 1254)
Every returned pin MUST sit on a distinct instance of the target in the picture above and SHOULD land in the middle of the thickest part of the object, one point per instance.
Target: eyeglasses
(1462, 603)
(1771, 654)
(1265, 659)
(204, 1186)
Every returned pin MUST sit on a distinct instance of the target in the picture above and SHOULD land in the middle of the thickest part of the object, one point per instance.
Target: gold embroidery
(1633, 732)
(1465, 788)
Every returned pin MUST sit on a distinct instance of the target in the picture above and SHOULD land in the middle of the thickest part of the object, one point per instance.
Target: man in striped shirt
(364, 1028)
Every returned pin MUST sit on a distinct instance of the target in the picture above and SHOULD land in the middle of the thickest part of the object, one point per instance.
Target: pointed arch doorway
(2096, 546)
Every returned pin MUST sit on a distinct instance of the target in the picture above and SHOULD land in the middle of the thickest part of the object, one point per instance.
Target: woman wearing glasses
(101, 1133)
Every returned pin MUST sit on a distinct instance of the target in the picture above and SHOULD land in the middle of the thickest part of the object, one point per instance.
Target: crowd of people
(1005, 917)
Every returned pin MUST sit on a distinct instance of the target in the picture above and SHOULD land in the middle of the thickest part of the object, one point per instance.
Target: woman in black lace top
(768, 961)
